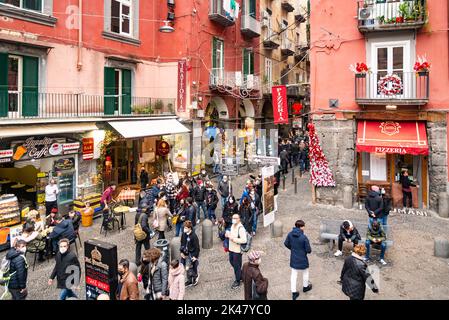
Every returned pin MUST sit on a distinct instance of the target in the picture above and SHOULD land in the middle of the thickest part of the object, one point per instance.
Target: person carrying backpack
(254, 284)
(14, 271)
(237, 236)
(141, 224)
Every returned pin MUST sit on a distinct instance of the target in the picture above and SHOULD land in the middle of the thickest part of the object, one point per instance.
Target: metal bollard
(207, 238)
(283, 183)
(296, 186)
(293, 176)
(164, 245)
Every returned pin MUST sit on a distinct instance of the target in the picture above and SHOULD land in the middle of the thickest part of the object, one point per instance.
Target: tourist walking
(18, 271)
(154, 275)
(237, 237)
(128, 288)
(176, 281)
(211, 202)
(142, 219)
(299, 247)
(144, 179)
(224, 189)
(374, 204)
(190, 252)
(160, 216)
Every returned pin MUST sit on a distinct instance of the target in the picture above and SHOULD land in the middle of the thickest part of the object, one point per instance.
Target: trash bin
(87, 218)
(164, 246)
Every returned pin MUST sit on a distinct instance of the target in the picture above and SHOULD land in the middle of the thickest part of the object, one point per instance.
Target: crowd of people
(294, 151)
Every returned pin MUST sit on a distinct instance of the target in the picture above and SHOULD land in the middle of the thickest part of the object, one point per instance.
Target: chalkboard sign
(101, 269)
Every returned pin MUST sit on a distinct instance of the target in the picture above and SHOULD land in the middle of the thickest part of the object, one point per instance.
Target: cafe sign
(37, 148)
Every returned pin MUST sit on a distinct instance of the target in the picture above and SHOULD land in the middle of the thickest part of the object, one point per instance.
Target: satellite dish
(365, 13)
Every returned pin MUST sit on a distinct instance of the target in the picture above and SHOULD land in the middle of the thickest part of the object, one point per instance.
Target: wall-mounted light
(166, 28)
(391, 107)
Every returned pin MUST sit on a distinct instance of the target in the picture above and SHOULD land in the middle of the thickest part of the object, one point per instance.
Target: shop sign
(6, 153)
(280, 108)
(64, 164)
(101, 269)
(297, 122)
(37, 148)
(70, 148)
(5, 160)
(267, 161)
(88, 148)
(182, 76)
(163, 148)
(229, 167)
(296, 108)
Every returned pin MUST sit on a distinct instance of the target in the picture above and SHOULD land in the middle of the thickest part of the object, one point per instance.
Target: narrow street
(410, 258)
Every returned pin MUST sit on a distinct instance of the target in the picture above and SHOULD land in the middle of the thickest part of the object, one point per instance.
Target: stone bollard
(441, 247)
(175, 246)
(347, 197)
(207, 238)
(443, 205)
(276, 229)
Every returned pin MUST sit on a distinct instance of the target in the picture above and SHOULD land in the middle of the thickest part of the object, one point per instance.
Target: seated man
(76, 219)
(63, 229)
(376, 235)
(348, 233)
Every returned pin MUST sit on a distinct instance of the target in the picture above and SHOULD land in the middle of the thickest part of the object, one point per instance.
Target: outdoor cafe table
(122, 210)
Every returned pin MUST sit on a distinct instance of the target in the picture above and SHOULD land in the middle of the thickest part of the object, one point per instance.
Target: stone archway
(217, 109)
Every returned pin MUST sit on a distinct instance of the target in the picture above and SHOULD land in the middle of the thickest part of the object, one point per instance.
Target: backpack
(245, 247)
(139, 234)
(5, 276)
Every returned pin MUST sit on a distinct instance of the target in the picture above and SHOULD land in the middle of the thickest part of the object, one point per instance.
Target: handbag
(156, 221)
(175, 219)
(245, 247)
(139, 234)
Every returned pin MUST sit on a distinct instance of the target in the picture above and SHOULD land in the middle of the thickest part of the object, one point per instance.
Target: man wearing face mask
(230, 208)
(63, 269)
(255, 207)
(170, 190)
(18, 270)
(211, 202)
(128, 285)
(237, 237)
(204, 176)
(224, 189)
(190, 252)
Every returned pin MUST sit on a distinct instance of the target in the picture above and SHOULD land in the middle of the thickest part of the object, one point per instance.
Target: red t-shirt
(106, 196)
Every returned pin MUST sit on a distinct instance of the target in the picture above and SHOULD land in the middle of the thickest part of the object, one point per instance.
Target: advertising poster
(101, 269)
(269, 208)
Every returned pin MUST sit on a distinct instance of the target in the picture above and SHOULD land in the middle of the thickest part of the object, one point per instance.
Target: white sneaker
(382, 261)
(198, 221)
(338, 253)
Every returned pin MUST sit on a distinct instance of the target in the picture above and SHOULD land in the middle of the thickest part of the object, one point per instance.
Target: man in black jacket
(67, 271)
(143, 178)
(18, 271)
(199, 195)
(224, 189)
(63, 229)
(374, 203)
(348, 233)
(190, 251)
(142, 219)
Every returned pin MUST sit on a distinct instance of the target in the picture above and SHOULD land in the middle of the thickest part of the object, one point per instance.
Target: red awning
(402, 137)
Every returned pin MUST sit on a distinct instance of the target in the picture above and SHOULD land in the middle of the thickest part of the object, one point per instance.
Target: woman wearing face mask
(246, 215)
(230, 208)
(255, 208)
(65, 262)
(190, 251)
(254, 284)
(154, 275)
(160, 215)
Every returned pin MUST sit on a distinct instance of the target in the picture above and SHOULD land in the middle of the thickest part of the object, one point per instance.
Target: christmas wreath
(390, 85)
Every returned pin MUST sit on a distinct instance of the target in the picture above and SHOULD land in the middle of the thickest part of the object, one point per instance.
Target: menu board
(101, 269)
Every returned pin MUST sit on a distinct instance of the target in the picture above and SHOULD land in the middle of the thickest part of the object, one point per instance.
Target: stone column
(443, 205)
(175, 246)
(441, 247)
(347, 197)
(276, 229)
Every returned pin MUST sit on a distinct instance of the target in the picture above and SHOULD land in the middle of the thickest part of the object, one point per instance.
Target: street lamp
(166, 28)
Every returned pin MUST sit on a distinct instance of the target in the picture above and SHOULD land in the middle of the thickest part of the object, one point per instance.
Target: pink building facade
(364, 118)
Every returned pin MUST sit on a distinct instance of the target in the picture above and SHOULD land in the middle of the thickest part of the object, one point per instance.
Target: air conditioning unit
(366, 13)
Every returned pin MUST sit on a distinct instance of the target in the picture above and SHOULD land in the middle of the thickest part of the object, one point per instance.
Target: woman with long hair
(160, 216)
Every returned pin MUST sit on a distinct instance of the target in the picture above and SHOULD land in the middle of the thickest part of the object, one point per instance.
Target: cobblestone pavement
(412, 271)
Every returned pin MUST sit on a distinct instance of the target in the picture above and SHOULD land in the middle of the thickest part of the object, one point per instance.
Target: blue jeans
(382, 221)
(216, 168)
(383, 248)
(211, 214)
(179, 226)
(223, 201)
(235, 259)
(67, 293)
(254, 220)
(201, 206)
(301, 165)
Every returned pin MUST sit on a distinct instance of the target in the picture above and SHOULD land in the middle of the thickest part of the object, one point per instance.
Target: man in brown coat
(254, 284)
(128, 285)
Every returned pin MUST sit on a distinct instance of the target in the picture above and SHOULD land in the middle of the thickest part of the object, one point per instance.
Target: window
(19, 82)
(218, 58)
(378, 167)
(121, 17)
(250, 8)
(35, 5)
(248, 62)
(117, 91)
(268, 72)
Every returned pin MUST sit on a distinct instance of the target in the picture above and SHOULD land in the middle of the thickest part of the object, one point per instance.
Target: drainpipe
(79, 64)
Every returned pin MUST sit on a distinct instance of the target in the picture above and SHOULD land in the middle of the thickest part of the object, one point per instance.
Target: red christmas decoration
(320, 173)
(297, 107)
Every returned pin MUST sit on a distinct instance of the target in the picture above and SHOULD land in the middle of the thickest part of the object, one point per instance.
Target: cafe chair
(34, 250)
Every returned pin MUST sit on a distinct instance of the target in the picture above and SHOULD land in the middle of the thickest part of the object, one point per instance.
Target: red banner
(182, 68)
(88, 148)
(280, 109)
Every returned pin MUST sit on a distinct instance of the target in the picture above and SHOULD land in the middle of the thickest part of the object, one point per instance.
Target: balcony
(374, 16)
(250, 27)
(251, 83)
(219, 15)
(287, 48)
(271, 40)
(413, 89)
(302, 50)
(22, 106)
(287, 5)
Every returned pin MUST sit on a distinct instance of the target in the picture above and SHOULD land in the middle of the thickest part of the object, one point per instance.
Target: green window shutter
(245, 62)
(252, 8)
(126, 91)
(33, 5)
(109, 90)
(3, 84)
(214, 53)
(30, 95)
(251, 64)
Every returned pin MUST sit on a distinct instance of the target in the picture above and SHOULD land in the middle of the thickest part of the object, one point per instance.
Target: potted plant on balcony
(381, 19)
(422, 66)
(360, 69)
(158, 105)
(404, 11)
